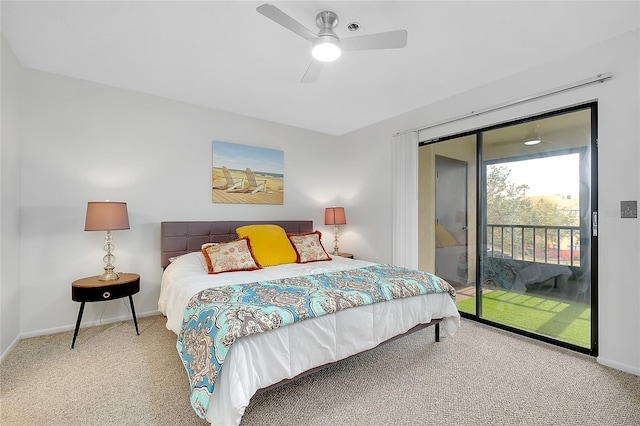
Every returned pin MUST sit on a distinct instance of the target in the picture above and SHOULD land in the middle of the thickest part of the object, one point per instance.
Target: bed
(258, 362)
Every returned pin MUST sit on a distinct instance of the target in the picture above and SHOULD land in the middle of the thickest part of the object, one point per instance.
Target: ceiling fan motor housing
(327, 19)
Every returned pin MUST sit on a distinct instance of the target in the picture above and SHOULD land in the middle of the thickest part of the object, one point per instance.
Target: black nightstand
(91, 289)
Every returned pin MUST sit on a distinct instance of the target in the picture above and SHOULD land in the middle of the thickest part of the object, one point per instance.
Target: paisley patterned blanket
(215, 318)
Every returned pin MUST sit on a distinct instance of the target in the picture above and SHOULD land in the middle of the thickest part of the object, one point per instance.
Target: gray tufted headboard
(185, 237)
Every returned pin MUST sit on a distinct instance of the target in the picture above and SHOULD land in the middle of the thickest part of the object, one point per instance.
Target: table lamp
(107, 216)
(335, 216)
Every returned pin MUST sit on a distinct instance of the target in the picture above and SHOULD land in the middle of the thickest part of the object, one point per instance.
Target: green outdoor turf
(569, 322)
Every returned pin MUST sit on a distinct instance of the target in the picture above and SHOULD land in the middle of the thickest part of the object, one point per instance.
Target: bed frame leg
(437, 332)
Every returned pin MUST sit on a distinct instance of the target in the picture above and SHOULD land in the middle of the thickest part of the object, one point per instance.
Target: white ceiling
(224, 55)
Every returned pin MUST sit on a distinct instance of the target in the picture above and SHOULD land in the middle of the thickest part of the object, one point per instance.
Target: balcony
(530, 282)
(531, 259)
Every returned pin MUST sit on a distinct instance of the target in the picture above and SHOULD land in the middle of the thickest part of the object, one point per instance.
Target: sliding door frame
(481, 221)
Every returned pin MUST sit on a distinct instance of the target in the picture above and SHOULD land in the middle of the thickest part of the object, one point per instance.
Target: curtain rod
(600, 78)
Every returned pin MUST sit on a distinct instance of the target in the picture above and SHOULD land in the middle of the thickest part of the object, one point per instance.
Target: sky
(547, 176)
(239, 157)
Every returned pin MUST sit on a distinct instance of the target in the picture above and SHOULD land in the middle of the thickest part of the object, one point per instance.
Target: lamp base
(108, 275)
(336, 251)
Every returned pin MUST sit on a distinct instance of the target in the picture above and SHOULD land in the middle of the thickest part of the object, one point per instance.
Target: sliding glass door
(515, 235)
(447, 211)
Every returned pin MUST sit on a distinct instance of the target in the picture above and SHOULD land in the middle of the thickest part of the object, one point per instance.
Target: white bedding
(260, 360)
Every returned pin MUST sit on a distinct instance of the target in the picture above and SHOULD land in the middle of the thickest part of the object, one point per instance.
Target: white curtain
(405, 200)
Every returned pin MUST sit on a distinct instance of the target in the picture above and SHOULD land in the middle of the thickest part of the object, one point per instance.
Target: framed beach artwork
(243, 174)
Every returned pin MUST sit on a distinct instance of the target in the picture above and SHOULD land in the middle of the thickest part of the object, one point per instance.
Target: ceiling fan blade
(279, 17)
(312, 73)
(388, 40)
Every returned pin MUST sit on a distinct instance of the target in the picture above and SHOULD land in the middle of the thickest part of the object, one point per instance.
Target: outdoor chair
(231, 183)
(255, 185)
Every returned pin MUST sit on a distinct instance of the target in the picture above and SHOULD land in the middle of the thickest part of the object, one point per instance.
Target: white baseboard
(619, 366)
(64, 328)
(9, 349)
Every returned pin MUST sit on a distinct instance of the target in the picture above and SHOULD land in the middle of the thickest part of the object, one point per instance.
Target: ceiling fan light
(532, 141)
(326, 49)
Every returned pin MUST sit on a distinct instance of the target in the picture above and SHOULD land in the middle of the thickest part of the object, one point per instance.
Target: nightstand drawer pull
(106, 295)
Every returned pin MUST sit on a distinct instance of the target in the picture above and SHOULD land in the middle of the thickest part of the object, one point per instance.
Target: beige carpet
(481, 376)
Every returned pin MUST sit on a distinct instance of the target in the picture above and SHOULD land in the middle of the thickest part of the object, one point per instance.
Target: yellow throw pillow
(269, 244)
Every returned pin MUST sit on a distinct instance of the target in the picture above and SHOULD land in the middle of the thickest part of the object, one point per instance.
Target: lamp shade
(334, 216)
(106, 216)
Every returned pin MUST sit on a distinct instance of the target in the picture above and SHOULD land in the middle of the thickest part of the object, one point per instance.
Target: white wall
(618, 159)
(363, 175)
(88, 142)
(10, 177)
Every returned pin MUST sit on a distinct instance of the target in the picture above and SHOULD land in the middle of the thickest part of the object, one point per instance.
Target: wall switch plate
(628, 209)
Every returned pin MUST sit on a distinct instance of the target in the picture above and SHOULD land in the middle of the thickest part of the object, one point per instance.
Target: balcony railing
(542, 244)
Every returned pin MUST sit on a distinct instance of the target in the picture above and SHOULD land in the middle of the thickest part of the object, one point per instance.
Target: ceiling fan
(327, 46)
